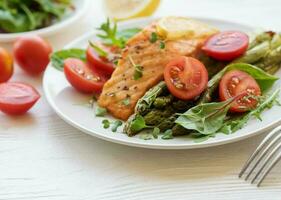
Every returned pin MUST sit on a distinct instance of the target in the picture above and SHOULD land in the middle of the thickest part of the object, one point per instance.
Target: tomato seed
(235, 80)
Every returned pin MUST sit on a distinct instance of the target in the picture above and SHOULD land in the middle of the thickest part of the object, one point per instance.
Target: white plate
(68, 104)
(81, 7)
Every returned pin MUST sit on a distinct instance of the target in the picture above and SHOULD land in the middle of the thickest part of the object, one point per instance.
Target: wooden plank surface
(43, 158)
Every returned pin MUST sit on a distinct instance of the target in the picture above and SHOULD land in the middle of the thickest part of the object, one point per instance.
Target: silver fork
(265, 157)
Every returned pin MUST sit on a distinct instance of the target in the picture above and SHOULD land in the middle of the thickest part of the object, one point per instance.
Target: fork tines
(265, 157)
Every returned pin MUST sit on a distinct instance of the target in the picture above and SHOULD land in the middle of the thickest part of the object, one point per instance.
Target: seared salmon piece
(121, 92)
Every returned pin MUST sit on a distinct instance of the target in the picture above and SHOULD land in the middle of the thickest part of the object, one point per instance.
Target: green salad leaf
(206, 118)
(100, 112)
(58, 57)
(27, 15)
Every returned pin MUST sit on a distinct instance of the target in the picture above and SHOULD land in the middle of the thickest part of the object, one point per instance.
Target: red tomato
(186, 77)
(226, 45)
(81, 77)
(6, 65)
(17, 98)
(235, 83)
(32, 54)
(101, 63)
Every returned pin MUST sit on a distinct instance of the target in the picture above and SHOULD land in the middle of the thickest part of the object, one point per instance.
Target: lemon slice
(173, 28)
(127, 9)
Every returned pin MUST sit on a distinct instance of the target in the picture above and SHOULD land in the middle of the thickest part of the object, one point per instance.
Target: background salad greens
(27, 15)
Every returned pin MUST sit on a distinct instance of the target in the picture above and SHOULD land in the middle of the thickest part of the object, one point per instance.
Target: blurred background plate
(81, 7)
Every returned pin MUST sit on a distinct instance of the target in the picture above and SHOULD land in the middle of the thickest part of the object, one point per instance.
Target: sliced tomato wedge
(82, 77)
(186, 77)
(17, 98)
(235, 83)
(102, 63)
(226, 45)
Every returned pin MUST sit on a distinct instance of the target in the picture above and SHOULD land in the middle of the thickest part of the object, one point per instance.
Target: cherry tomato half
(226, 45)
(32, 53)
(17, 98)
(6, 65)
(235, 83)
(101, 63)
(186, 77)
(82, 77)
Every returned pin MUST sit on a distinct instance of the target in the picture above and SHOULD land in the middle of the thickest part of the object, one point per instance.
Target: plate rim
(8, 37)
(109, 138)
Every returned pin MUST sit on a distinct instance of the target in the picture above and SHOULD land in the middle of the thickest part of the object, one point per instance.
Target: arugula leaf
(205, 118)
(112, 36)
(99, 50)
(58, 57)
(100, 112)
(115, 125)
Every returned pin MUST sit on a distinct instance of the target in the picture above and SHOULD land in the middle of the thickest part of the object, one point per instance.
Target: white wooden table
(42, 157)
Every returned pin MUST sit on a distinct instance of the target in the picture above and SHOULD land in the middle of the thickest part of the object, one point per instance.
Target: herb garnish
(100, 112)
(153, 37)
(105, 123)
(113, 37)
(99, 50)
(168, 134)
(126, 101)
(162, 45)
(115, 125)
(146, 136)
(155, 132)
(138, 69)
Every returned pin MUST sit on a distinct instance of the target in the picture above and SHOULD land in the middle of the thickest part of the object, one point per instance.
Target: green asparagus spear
(161, 102)
(144, 104)
(272, 69)
(264, 36)
(272, 58)
(254, 54)
(167, 123)
(155, 116)
(178, 130)
(276, 41)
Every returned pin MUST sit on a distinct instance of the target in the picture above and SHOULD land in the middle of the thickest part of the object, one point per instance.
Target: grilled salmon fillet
(121, 92)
